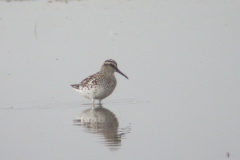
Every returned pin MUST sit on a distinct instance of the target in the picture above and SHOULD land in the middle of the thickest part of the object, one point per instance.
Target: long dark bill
(121, 73)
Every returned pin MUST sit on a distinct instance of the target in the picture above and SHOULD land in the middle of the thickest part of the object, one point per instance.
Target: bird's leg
(93, 104)
(100, 102)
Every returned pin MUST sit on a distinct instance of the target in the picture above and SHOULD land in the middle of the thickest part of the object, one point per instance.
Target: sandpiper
(101, 84)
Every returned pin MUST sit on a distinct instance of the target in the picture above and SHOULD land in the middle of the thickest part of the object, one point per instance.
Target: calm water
(181, 100)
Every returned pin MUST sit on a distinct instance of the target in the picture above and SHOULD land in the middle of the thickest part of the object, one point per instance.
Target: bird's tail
(76, 86)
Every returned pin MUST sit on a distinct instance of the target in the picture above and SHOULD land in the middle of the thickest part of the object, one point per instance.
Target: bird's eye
(112, 65)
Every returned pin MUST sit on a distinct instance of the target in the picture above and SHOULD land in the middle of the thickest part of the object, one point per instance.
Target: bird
(99, 85)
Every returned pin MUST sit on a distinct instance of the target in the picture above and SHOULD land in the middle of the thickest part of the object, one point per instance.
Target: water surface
(181, 100)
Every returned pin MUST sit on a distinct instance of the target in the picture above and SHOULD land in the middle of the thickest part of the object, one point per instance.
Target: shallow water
(181, 100)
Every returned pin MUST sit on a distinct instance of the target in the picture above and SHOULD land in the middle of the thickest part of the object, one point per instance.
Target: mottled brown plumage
(101, 84)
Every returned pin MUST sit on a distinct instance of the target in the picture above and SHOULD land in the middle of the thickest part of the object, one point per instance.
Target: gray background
(182, 59)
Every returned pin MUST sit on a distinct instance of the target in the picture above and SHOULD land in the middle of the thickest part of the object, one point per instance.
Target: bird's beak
(117, 70)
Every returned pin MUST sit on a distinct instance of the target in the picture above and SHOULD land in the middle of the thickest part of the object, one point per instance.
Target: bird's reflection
(101, 121)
